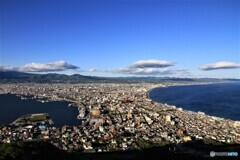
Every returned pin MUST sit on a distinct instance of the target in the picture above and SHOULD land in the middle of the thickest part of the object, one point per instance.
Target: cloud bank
(93, 70)
(41, 67)
(150, 67)
(152, 64)
(149, 71)
(220, 65)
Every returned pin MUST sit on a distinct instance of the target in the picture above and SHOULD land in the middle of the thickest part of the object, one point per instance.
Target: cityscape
(124, 79)
(115, 117)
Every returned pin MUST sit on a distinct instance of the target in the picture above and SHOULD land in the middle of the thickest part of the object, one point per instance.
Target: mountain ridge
(21, 77)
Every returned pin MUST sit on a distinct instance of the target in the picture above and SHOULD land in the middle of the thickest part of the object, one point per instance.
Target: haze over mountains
(13, 76)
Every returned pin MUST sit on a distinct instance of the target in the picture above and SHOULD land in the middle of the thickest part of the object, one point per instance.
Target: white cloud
(8, 68)
(220, 65)
(92, 70)
(150, 71)
(149, 67)
(151, 64)
(41, 67)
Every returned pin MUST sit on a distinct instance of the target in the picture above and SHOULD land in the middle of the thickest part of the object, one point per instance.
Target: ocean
(12, 107)
(221, 100)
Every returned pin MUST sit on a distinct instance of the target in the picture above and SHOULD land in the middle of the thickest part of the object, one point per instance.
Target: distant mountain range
(20, 77)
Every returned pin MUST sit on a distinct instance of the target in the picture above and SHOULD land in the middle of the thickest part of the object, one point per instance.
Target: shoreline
(183, 85)
(47, 105)
(125, 108)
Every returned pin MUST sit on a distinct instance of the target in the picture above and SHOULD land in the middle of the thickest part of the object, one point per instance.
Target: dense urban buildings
(115, 117)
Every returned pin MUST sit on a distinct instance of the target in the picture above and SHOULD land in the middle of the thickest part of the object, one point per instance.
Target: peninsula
(115, 117)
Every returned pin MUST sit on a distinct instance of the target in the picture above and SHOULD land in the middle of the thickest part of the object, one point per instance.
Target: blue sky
(111, 35)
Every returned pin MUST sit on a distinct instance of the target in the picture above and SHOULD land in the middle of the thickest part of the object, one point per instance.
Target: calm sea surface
(222, 100)
(12, 107)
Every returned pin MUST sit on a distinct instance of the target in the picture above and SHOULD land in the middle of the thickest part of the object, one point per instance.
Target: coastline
(11, 104)
(183, 85)
(179, 84)
(127, 107)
